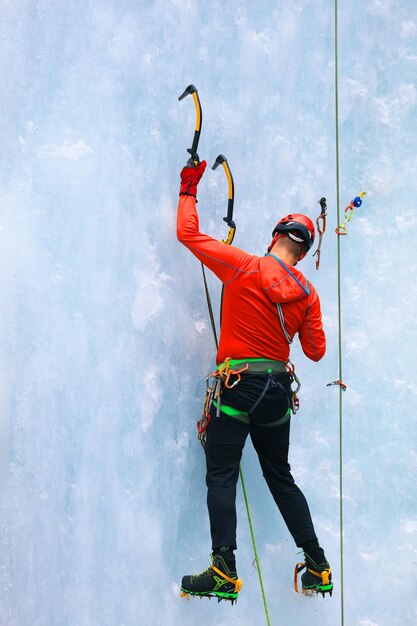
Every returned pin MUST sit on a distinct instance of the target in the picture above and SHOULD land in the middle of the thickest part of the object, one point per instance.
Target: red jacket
(253, 287)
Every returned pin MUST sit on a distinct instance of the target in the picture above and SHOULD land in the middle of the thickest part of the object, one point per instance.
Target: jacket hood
(282, 282)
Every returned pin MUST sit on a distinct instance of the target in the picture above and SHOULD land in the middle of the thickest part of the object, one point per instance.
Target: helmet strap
(274, 241)
(303, 252)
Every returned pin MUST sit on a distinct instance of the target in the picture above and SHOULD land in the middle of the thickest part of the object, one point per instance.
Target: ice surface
(104, 334)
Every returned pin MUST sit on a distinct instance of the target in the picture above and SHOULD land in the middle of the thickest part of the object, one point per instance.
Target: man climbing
(266, 302)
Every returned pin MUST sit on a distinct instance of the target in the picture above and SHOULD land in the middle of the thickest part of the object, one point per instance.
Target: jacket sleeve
(224, 260)
(311, 333)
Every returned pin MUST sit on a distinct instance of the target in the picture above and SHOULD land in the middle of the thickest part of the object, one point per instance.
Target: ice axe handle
(221, 160)
(192, 90)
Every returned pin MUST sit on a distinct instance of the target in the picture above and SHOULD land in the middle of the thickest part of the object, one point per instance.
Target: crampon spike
(185, 595)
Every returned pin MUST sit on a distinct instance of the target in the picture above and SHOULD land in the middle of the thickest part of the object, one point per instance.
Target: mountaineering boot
(219, 580)
(318, 575)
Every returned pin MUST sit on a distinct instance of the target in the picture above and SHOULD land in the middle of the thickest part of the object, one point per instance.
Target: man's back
(255, 289)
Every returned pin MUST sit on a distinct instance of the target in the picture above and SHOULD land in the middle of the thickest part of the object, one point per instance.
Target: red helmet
(298, 227)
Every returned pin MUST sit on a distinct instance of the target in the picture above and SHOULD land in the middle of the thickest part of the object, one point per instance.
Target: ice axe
(191, 90)
(221, 160)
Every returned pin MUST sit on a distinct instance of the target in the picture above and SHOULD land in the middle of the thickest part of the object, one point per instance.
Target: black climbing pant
(263, 399)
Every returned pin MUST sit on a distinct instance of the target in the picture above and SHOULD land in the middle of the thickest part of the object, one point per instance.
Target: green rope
(254, 545)
(339, 307)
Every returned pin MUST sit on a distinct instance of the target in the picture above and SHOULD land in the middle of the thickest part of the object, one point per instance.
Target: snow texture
(105, 339)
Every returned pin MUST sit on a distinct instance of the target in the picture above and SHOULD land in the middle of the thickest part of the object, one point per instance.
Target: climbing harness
(228, 375)
(349, 210)
(321, 228)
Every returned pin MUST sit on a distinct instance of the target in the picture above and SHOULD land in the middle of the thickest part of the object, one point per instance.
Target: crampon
(314, 582)
(230, 597)
(212, 583)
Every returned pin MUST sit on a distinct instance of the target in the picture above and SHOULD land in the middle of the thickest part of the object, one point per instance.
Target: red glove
(190, 177)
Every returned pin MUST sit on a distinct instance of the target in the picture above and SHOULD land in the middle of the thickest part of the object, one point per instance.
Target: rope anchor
(349, 210)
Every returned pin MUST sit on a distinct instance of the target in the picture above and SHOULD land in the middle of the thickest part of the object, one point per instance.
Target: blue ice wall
(104, 334)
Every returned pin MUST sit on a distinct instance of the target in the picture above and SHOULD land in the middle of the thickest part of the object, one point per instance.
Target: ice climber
(266, 303)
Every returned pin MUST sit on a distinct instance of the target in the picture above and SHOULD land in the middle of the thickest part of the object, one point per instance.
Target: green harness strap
(258, 365)
(242, 416)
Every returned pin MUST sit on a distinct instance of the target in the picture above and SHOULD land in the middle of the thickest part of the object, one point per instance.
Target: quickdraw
(215, 382)
(212, 393)
(338, 382)
(349, 210)
(294, 392)
(225, 372)
(321, 228)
